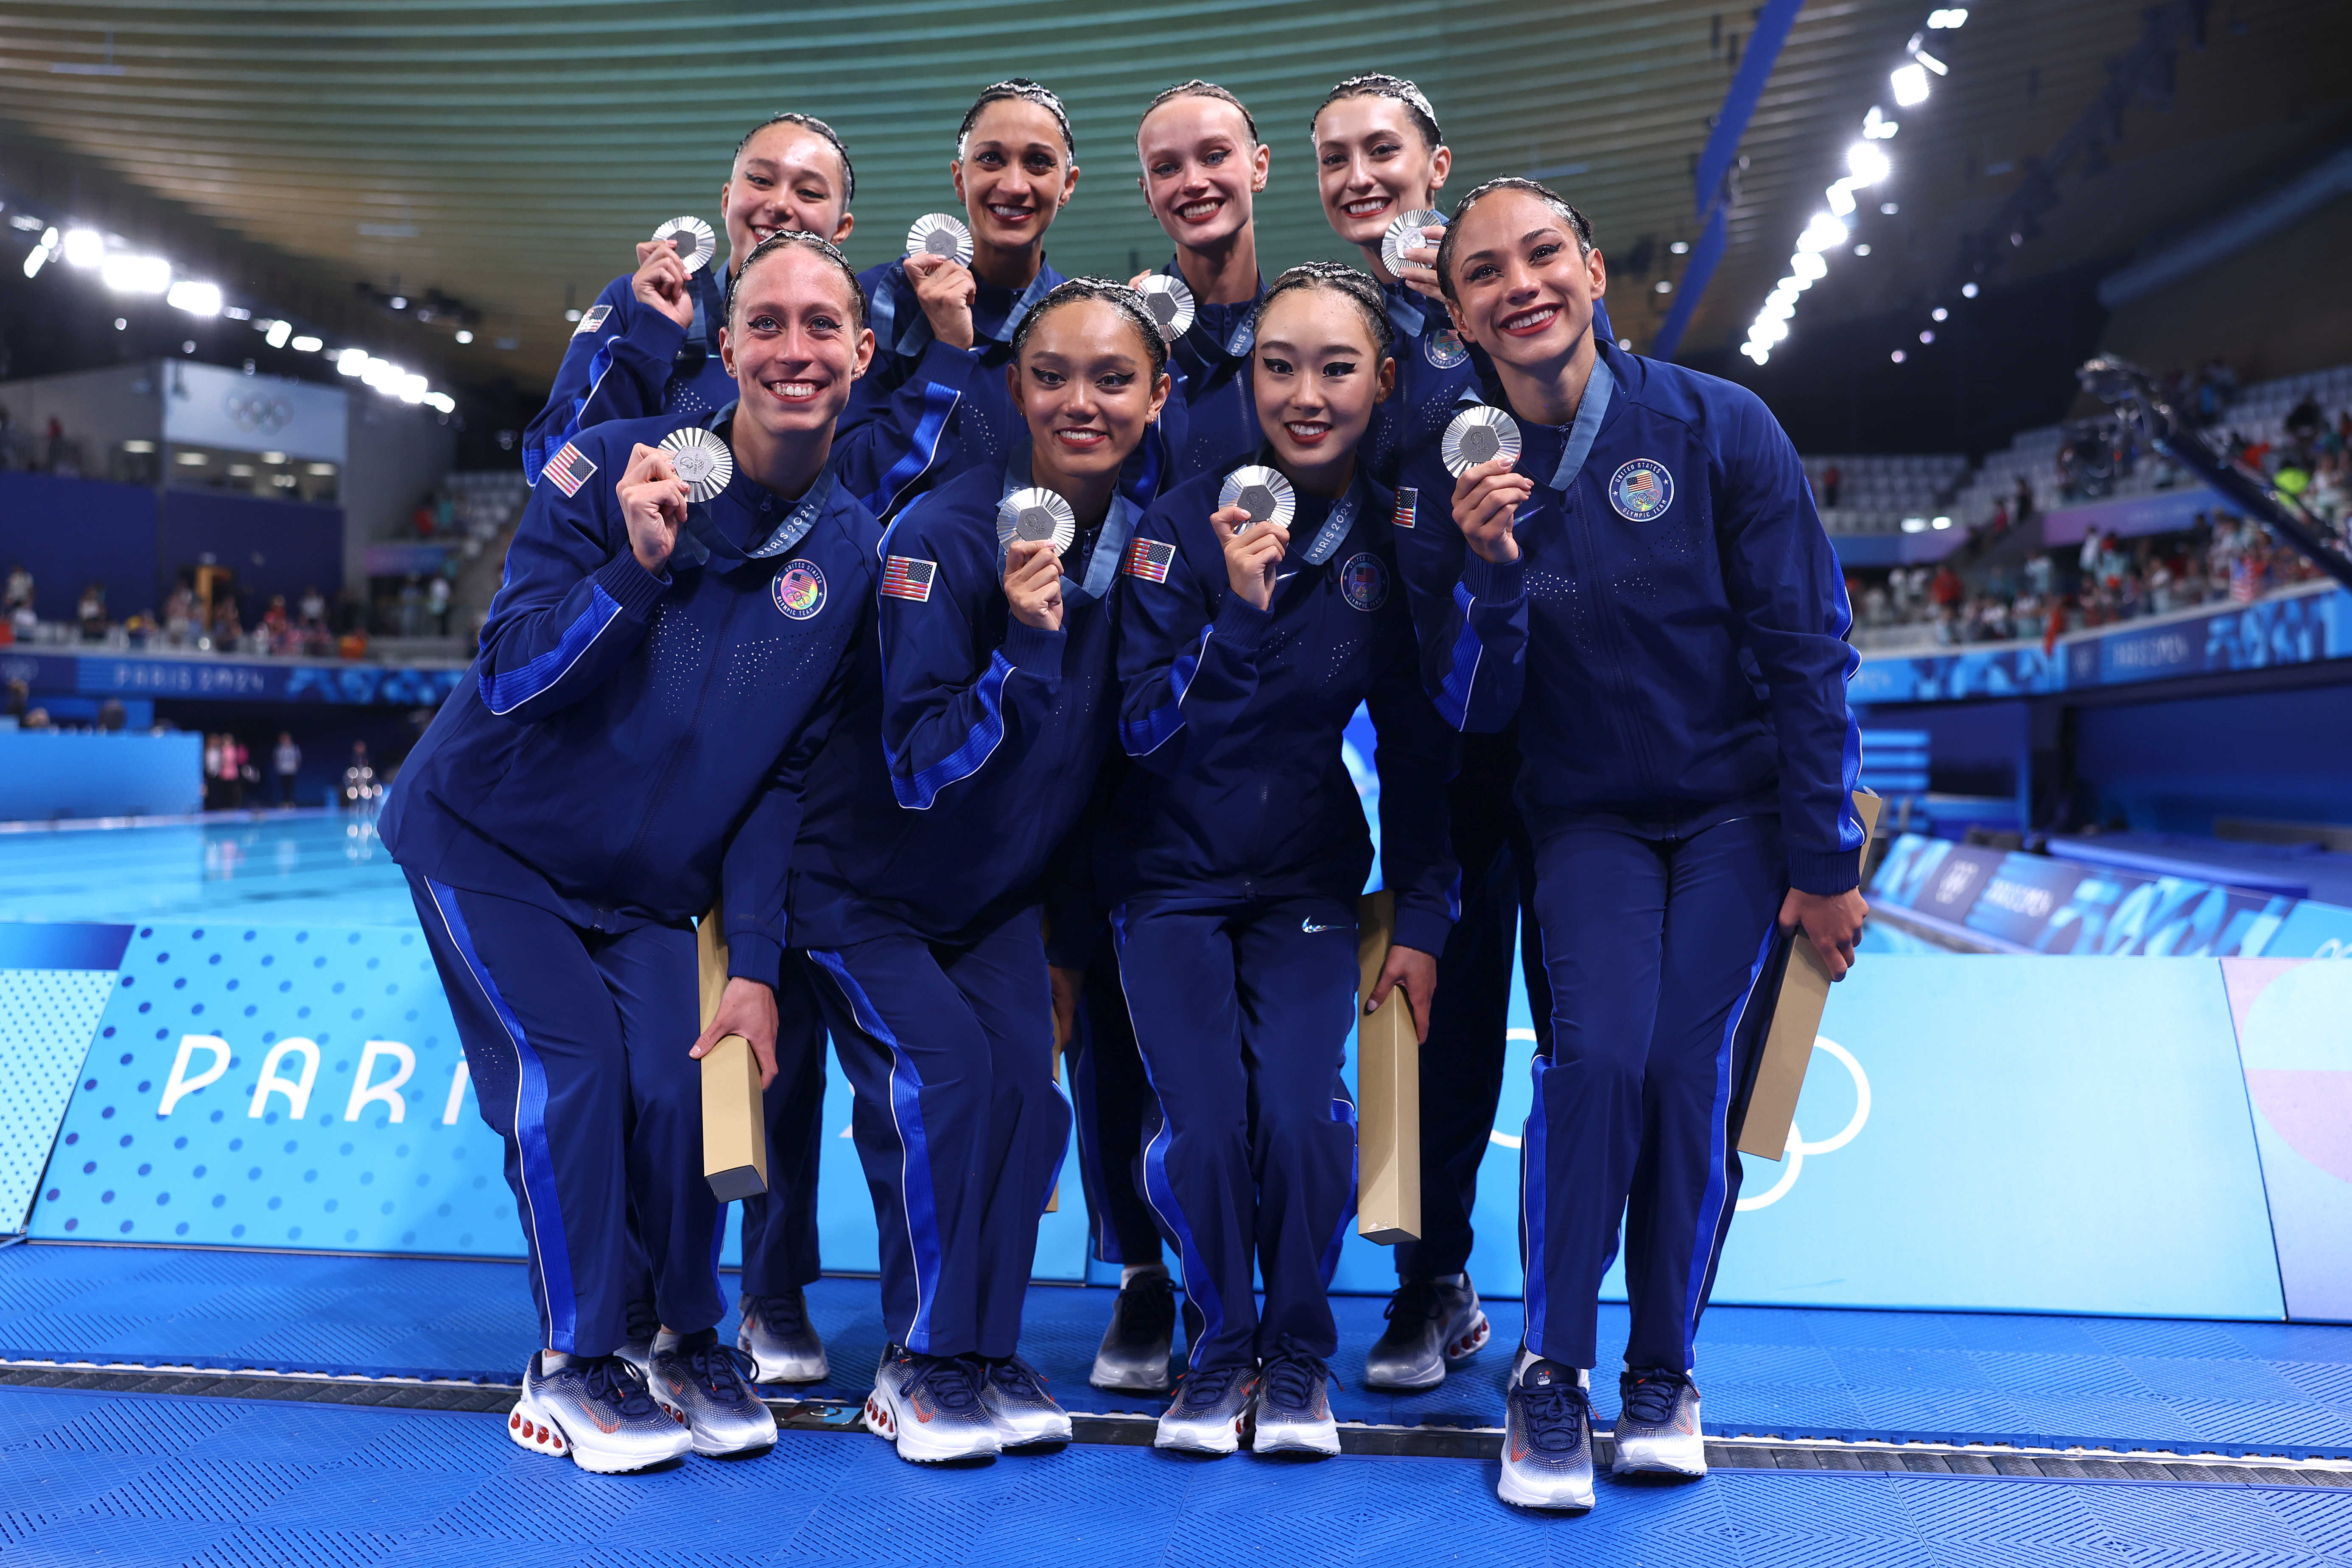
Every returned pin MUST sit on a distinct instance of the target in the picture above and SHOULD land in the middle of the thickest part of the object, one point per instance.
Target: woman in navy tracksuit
(1648, 590)
(655, 676)
(957, 772)
(1238, 849)
(935, 404)
(648, 346)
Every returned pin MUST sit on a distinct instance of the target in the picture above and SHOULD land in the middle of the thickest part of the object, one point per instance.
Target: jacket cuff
(1492, 585)
(951, 367)
(1824, 872)
(1422, 929)
(1034, 652)
(632, 587)
(1241, 624)
(652, 334)
(754, 955)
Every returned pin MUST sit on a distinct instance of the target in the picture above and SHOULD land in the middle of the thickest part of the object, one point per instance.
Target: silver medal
(940, 234)
(1035, 513)
(1263, 491)
(701, 459)
(1405, 235)
(1478, 435)
(691, 238)
(1170, 302)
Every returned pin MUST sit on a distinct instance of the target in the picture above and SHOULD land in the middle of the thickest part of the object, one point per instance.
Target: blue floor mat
(138, 1480)
(2117, 1383)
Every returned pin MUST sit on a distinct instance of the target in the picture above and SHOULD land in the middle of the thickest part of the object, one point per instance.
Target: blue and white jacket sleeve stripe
(574, 605)
(1475, 667)
(942, 719)
(1786, 584)
(619, 369)
(897, 437)
(1188, 652)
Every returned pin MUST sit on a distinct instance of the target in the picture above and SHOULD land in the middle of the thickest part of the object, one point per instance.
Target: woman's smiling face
(1522, 287)
(1200, 169)
(1085, 384)
(1013, 174)
(1372, 164)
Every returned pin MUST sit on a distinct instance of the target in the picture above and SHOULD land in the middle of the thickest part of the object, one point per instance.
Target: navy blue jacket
(924, 413)
(972, 741)
(629, 743)
(1211, 417)
(628, 361)
(1671, 638)
(1234, 716)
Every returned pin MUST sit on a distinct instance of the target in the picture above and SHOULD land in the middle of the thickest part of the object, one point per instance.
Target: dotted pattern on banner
(276, 1086)
(45, 1019)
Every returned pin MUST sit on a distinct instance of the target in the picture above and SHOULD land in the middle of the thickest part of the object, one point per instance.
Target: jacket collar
(746, 509)
(1110, 542)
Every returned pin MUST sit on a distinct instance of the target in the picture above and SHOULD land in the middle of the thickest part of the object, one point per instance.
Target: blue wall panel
(69, 533)
(90, 772)
(273, 546)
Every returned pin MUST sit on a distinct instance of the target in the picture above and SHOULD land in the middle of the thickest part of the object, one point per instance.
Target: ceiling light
(278, 332)
(1665, 286)
(1897, 356)
(1840, 198)
(320, 470)
(1912, 524)
(84, 247)
(34, 260)
(400, 301)
(1910, 84)
(412, 388)
(1940, 522)
(351, 361)
(307, 344)
(196, 298)
(139, 445)
(1889, 209)
(1938, 313)
(1869, 165)
(122, 324)
(236, 314)
(1808, 266)
(463, 337)
(189, 459)
(1958, 16)
(136, 274)
(1679, 247)
(1967, 290)
(1927, 336)
(273, 456)
(240, 470)
(1820, 233)
(1876, 127)
(1861, 250)
(1931, 62)
(441, 402)
(571, 315)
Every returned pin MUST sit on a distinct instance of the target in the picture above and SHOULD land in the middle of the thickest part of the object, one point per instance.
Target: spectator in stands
(20, 698)
(92, 613)
(228, 630)
(1946, 589)
(276, 630)
(1830, 480)
(437, 605)
(214, 790)
(2023, 513)
(20, 587)
(56, 462)
(314, 609)
(111, 717)
(286, 760)
(37, 719)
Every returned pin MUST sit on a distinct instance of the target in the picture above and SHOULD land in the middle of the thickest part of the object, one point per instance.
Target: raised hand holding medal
(1480, 447)
(679, 249)
(939, 266)
(1254, 509)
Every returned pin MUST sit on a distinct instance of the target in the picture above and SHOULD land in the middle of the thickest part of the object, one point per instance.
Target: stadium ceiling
(506, 152)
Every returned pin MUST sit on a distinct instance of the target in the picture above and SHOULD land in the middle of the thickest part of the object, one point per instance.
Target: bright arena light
(351, 361)
(278, 332)
(1910, 84)
(134, 274)
(1868, 164)
(84, 247)
(196, 298)
(1958, 16)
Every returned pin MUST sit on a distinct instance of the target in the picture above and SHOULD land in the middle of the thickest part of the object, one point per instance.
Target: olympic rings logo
(261, 414)
(1797, 1148)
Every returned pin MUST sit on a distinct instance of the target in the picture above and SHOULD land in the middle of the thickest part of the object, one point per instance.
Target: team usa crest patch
(1408, 502)
(1364, 581)
(570, 468)
(799, 589)
(1444, 349)
(1150, 560)
(909, 577)
(1641, 489)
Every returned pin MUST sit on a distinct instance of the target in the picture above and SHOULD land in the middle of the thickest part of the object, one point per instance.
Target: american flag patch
(1150, 560)
(591, 320)
(570, 468)
(906, 577)
(1408, 500)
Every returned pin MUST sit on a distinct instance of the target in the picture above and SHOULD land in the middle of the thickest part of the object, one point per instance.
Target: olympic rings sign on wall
(1797, 1148)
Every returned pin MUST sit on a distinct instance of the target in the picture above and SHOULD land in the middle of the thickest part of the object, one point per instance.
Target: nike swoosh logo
(1310, 927)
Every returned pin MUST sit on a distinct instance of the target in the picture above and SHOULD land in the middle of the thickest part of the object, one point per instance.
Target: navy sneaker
(930, 1405)
(1135, 1344)
(1292, 1412)
(1546, 1439)
(1206, 1416)
(777, 1337)
(701, 1383)
(1434, 1326)
(1015, 1395)
(1657, 1425)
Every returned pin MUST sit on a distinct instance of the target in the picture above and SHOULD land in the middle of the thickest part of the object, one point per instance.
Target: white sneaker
(930, 1405)
(595, 1409)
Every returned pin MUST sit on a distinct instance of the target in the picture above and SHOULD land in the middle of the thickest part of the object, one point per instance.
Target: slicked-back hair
(812, 124)
(1196, 87)
(807, 241)
(1027, 92)
(1126, 301)
(1373, 84)
(1577, 224)
(1334, 277)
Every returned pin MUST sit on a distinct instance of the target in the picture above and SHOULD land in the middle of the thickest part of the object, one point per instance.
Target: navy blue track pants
(577, 1043)
(780, 1244)
(1242, 1011)
(1658, 955)
(958, 1121)
(1469, 1019)
(1113, 1101)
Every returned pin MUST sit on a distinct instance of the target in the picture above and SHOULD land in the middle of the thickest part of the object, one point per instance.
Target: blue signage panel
(226, 679)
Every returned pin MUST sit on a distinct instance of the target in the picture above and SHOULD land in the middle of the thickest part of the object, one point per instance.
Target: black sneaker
(1137, 1344)
(777, 1337)
(1432, 1327)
